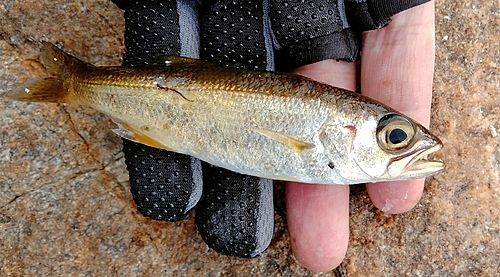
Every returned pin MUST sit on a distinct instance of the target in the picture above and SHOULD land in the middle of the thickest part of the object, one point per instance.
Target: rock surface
(66, 209)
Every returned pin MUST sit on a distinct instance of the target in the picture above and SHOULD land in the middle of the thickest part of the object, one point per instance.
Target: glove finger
(311, 31)
(165, 185)
(364, 15)
(236, 214)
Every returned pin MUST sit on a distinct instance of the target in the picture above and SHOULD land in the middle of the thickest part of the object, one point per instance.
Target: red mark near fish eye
(351, 129)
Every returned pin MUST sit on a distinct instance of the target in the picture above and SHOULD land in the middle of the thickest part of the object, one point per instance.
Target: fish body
(273, 125)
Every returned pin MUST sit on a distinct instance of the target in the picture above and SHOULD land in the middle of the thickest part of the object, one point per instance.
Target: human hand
(318, 215)
(235, 216)
(397, 65)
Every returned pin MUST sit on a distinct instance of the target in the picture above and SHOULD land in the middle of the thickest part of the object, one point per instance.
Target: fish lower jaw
(418, 166)
(420, 162)
(428, 167)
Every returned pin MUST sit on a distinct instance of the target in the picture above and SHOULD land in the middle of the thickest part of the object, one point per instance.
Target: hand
(397, 66)
(235, 216)
(318, 214)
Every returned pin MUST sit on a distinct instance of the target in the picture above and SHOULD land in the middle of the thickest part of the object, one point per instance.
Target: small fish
(273, 125)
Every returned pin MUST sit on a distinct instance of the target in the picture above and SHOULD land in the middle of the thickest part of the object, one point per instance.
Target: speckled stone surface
(66, 209)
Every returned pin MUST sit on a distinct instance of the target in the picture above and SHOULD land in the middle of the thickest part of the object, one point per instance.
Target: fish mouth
(421, 165)
(416, 165)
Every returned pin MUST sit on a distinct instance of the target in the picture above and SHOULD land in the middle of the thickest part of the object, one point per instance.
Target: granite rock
(66, 208)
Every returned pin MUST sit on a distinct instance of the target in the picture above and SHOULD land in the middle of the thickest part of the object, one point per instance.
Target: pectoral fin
(296, 144)
(127, 132)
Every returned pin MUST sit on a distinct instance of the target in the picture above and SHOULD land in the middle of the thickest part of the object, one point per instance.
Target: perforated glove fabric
(234, 212)
(166, 185)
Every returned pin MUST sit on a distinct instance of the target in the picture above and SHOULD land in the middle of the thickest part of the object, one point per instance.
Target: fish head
(380, 144)
(400, 145)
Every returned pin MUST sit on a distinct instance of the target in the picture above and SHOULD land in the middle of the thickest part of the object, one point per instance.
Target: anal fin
(296, 144)
(128, 132)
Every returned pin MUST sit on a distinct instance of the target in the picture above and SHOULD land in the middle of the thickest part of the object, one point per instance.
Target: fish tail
(40, 90)
(50, 89)
(59, 63)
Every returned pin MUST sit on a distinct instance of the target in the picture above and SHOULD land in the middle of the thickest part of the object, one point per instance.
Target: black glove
(235, 215)
(167, 185)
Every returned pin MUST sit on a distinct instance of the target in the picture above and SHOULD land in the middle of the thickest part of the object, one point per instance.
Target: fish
(274, 125)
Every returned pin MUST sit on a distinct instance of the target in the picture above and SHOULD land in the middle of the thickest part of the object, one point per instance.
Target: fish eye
(397, 136)
(394, 132)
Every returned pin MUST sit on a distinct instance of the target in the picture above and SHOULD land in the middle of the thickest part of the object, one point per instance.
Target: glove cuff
(343, 45)
(365, 15)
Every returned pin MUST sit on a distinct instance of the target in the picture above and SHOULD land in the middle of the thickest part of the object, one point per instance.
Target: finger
(165, 185)
(397, 68)
(338, 74)
(318, 223)
(396, 196)
(236, 214)
(318, 215)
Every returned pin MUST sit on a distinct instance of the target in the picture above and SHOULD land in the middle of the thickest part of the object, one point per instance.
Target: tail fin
(51, 89)
(40, 90)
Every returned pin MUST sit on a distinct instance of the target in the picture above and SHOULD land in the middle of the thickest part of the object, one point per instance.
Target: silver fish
(273, 125)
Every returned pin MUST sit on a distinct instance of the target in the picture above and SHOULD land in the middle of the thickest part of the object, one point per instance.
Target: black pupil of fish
(397, 136)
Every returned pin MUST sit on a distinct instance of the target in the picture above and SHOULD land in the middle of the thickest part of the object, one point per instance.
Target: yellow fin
(51, 89)
(59, 63)
(296, 144)
(127, 132)
(40, 90)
